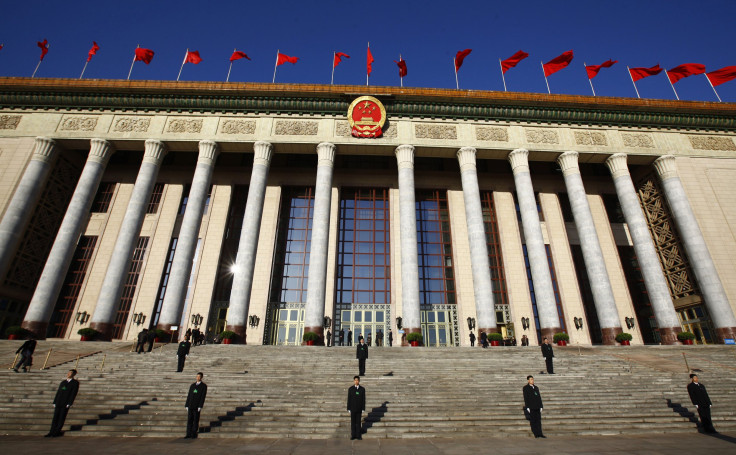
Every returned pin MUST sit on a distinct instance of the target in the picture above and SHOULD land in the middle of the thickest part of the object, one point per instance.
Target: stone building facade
(250, 207)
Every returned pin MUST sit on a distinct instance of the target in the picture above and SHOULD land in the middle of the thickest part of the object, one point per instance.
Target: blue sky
(426, 33)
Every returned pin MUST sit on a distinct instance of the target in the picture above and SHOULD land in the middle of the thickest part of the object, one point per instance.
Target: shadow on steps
(374, 416)
(228, 417)
(112, 414)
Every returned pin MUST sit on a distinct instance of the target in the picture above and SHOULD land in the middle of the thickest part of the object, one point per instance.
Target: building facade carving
(712, 143)
(78, 124)
(9, 122)
(541, 136)
(485, 133)
(637, 140)
(596, 138)
(131, 125)
(184, 126)
(439, 132)
(238, 127)
(295, 128)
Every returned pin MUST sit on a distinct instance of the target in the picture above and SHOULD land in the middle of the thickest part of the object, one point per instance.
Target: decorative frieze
(180, 125)
(638, 140)
(78, 124)
(712, 143)
(238, 127)
(9, 122)
(484, 133)
(595, 138)
(131, 125)
(428, 131)
(541, 136)
(342, 129)
(295, 128)
(391, 131)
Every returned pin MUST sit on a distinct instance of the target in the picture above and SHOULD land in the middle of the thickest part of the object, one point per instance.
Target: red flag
(1, 46)
(93, 51)
(193, 57)
(513, 61)
(593, 69)
(402, 67)
(641, 73)
(459, 57)
(722, 75)
(338, 58)
(557, 63)
(281, 59)
(143, 55)
(44, 45)
(237, 55)
(369, 61)
(685, 70)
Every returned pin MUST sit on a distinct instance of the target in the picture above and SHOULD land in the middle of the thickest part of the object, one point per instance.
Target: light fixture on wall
(578, 323)
(629, 323)
(398, 323)
(525, 323)
(471, 323)
(254, 320)
(82, 317)
(327, 322)
(197, 320)
(139, 318)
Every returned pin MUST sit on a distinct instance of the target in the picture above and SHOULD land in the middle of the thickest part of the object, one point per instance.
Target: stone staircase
(300, 392)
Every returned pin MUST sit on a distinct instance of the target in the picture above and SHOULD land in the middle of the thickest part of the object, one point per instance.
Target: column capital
(519, 160)
(405, 156)
(263, 151)
(326, 154)
(666, 167)
(208, 151)
(155, 152)
(466, 158)
(44, 149)
(100, 151)
(617, 165)
(568, 162)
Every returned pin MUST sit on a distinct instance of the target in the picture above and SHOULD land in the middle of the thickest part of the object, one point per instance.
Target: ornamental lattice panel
(669, 249)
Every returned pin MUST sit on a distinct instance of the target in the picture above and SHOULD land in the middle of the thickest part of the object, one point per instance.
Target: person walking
(328, 338)
(64, 399)
(151, 338)
(379, 338)
(548, 356)
(483, 340)
(142, 338)
(472, 339)
(341, 337)
(356, 407)
(533, 406)
(361, 353)
(182, 353)
(390, 338)
(195, 403)
(350, 337)
(26, 355)
(701, 400)
(524, 341)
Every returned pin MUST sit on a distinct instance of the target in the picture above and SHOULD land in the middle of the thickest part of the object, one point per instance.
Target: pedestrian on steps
(533, 406)
(328, 338)
(26, 355)
(701, 400)
(361, 353)
(472, 339)
(356, 407)
(151, 338)
(142, 338)
(64, 399)
(483, 339)
(548, 355)
(195, 403)
(182, 353)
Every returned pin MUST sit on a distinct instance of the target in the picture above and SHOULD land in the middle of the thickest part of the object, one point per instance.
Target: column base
(608, 335)
(408, 330)
(240, 333)
(319, 331)
(549, 332)
(37, 328)
(105, 329)
(669, 335)
(725, 332)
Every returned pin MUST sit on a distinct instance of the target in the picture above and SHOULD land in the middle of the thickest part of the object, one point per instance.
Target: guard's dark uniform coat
(548, 354)
(26, 354)
(182, 354)
(699, 396)
(65, 395)
(195, 402)
(361, 353)
(356, 405)
(533, 401)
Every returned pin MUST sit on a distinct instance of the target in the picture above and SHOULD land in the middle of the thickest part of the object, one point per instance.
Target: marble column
(103, 318)
(646, 255)
(485, 309)
(411, 321)
(698, 255)
(595, 266)
(27, 194)
(317, 279)
(246, 259)
(54, 272)
(181, 266)
(549, 320)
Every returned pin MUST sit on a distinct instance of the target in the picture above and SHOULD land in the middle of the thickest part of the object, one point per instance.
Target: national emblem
(367, 117)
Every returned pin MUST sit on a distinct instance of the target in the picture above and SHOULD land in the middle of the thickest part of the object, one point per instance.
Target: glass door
(289, 327)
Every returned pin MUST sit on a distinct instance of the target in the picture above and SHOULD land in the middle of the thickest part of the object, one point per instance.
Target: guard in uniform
(701, 400)
(533, 405)
(182, 353)
(361, 353)
(195, 402)
(64, 399)
(356, 407)
(548, 356)
(26, 355)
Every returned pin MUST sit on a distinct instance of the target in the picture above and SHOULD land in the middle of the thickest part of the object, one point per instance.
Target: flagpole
(713, 87)
(672, 85)
(545, 77)
(182, 64)
(84, 69)
(632, 81)
(227, 79)
(367, 75)
(34, 71)
(454, 65)
(332, 79)
(502, 76)
(275, 65)
(400, 76)
(131, 65)
(589, 79)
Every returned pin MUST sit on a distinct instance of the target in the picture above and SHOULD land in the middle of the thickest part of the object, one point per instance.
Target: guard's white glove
(350, 411)
(68, 406)
(527, 410)
(186, 408)
(541, 409)
(696, 406)
(199, 409)
(53, 405)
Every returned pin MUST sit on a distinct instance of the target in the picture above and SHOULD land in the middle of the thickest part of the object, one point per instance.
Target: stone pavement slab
(630, 444)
